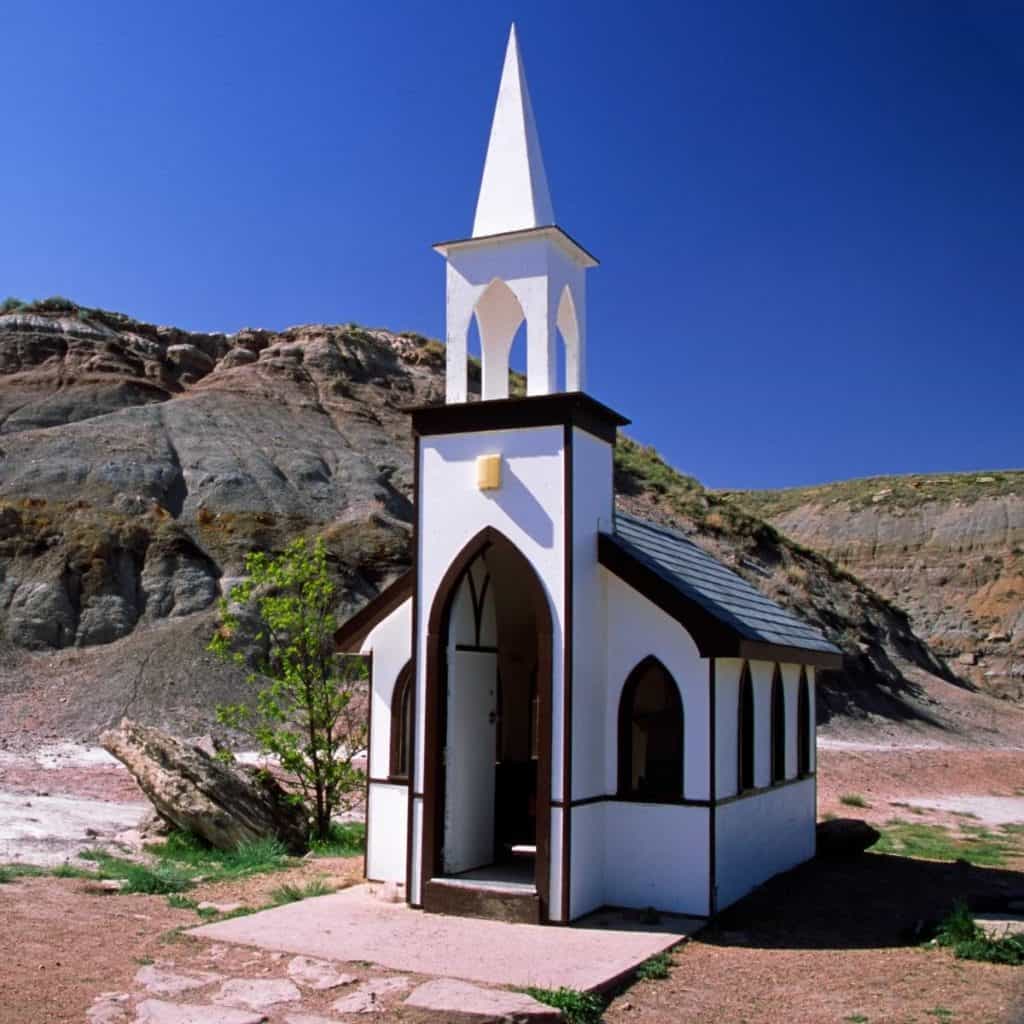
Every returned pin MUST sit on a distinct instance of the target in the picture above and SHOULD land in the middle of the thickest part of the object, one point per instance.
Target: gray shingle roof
(719, 591)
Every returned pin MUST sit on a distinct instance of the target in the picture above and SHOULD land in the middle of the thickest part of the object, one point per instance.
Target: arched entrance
(487, 780)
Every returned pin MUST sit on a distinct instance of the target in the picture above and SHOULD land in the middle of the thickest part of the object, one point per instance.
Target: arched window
(803, 727)
(778, 728)
(745, 731)
(651, 734)
(401, 725)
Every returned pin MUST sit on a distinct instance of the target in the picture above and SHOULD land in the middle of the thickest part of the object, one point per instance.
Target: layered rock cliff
(139, 464)
(948, 548)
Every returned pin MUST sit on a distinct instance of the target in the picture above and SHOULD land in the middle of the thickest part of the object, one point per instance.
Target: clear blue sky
(810, 216)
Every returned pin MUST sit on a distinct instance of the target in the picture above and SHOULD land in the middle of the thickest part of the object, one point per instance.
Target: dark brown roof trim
(349, 636)
(714, 639)
(570, 408)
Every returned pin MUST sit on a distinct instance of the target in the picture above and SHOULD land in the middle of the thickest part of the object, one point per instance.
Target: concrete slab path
(356, 925)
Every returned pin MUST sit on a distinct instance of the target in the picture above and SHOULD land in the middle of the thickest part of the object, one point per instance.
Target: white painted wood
(727, 696)
(387, 813)
(783, 822)
(592, 511)
(390, 643)
(514, 189)
(657, 856)
(761, 673)
(635, 629)
(790, 684)
(469, 760)
(587, 871)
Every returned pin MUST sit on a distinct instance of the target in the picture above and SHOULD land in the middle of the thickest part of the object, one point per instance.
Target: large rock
(458, 1000)
(224, 804)
(845, 837)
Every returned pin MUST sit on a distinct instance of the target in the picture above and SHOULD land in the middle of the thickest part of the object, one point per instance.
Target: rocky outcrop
(140, 464)
(220, 803)
(949, 549)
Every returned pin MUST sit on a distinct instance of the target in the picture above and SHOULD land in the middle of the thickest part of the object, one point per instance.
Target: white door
(469, 760)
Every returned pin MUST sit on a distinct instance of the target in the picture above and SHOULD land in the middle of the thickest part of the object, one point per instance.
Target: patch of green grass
(577, 1007)
(853, 800)
(941, 1012)
(968, 941)
(143, 961)
(655, 968)
(936, 842)
(12, 872)
(344, 841)
(289, 893)
(1013, 830)
(70, 871)
(160, 880)
(856, 1018)
(189, 853)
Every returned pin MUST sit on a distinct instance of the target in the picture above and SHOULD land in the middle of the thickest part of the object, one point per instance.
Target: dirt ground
(833, 941)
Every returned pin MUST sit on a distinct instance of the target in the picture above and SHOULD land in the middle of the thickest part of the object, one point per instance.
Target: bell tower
(517, 265)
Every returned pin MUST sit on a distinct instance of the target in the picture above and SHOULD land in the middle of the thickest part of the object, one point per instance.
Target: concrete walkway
(356, 925)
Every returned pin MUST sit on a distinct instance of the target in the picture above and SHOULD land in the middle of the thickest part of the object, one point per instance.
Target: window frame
(746, 733)
(627, 699)
(400, 751)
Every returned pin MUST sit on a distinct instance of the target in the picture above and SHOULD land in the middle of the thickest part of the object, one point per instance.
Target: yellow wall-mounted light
(488, 472)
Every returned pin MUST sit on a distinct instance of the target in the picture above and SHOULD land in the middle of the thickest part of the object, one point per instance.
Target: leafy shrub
(656, 968)
(853, 800)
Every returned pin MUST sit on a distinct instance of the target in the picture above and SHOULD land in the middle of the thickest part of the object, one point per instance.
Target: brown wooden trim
(568, 640)
(758, 650)
(777, 698)
(369, 752)
(625, 728)
(713, 791)
(349, 636)
(405, 680)
(390, 780)
(762, 790)
(617, 798)
(713, 637)
(414, 654)
(743, 756)
(435, 709)
(473, 901)
(571, 409)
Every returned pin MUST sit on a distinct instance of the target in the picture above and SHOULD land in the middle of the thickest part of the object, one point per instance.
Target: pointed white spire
(514, 190)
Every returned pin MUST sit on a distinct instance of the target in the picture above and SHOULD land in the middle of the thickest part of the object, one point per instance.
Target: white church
(571, 708)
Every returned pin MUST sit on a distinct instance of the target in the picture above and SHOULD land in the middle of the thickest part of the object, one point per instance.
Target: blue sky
(810, 216)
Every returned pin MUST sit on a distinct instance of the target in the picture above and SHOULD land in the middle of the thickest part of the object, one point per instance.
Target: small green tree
(304, 712)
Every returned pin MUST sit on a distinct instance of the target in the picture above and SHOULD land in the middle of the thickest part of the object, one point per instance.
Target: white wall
(761, 673)
(637, 628)
(387, 815)
(592, 511)
(587, 868)
(527, 509)
(727, 696)
(759, 836)
(390, 642)
(656, 855)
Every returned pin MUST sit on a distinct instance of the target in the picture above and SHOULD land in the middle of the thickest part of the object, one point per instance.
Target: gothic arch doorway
(487, 779)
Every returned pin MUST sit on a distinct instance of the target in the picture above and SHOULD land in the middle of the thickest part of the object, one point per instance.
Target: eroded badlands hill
(138, 465)
(949, 548)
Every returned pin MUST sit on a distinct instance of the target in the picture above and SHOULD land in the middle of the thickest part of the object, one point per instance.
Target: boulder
(224, 804)
(845, 837)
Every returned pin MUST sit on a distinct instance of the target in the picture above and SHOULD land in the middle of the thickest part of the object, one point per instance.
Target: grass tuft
(344, 841)
(289, 893)
(853, 800)
(968, 941)
(656, 968)
(936, 842)
(577, 1007)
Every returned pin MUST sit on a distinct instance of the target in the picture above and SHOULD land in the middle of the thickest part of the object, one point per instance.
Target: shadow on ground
(864, 902)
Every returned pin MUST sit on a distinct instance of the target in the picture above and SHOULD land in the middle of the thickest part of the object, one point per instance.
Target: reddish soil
(833, 941)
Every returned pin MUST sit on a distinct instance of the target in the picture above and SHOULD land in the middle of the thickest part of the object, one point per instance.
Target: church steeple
(518, 265)
(514, 192)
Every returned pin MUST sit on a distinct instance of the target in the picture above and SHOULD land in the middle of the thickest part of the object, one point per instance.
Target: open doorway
(490, 790)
